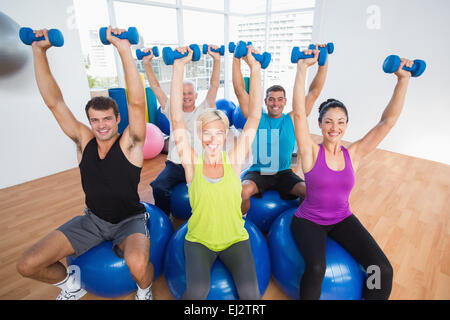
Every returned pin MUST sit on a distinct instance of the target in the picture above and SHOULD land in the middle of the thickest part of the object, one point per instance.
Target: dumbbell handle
(241, 50)
(169, 54)
(131, 35)
(54, 36)
(296, 55)
(232, 46)
(220, 50)
(329, 47)
(178, 55)
(141, 54)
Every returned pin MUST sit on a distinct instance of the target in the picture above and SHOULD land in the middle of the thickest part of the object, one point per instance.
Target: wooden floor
(403, 201)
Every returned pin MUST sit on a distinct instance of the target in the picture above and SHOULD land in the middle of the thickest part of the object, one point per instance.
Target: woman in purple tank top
(329, 170)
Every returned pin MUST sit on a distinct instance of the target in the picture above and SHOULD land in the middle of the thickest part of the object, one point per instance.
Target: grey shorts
(88, 231)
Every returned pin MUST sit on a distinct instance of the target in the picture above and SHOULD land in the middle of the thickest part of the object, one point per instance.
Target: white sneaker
(71, 295)
(147, 295)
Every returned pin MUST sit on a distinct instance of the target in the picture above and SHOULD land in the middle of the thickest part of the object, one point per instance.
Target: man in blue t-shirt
(275, 140)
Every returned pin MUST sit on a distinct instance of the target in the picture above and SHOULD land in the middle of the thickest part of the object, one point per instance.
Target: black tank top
(110, 184)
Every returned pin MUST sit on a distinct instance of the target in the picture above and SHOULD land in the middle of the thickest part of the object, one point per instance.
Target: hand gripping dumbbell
(263, 59)
(232, 46)
(392, 63)
(323, 52)
(220, 50)
(132, 35)
(54, 36)
(169, 55)
(296, 54)
(141, 54)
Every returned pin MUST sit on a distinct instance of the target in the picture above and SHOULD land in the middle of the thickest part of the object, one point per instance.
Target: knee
(138, 264)
(25, 266)
(160, 188)
(247, 191)
(316, 269)
(299, 189)
(250, 292)
(387, 271)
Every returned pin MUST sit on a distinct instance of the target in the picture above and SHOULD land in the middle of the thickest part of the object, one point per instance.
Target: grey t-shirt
(190, 120)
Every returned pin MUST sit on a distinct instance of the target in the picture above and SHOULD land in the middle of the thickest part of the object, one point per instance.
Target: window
(203, 28)
(247, 6)
(98, 59)
(281, 70)
(290, 23)
(157, 26)
(208, 4)
(279, 5)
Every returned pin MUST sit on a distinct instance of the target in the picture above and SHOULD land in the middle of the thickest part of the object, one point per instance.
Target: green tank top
(216, 220)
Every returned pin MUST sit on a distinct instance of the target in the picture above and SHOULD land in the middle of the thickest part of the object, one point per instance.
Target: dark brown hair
(275, 88)
(102, 103)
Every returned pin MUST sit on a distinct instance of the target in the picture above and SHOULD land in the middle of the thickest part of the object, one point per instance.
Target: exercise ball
(264, 210)
(154, 141)
(104, 274)
(222, 284)
(179, 202)
(162, 122)
(238, 118)
(13, 54)
(227, 107)
(344, 277)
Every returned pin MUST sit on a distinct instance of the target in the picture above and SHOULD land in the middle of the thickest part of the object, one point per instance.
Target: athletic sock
(144, 292)
(68, 284)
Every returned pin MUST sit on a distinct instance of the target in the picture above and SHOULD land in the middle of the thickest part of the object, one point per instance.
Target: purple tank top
(327, 191)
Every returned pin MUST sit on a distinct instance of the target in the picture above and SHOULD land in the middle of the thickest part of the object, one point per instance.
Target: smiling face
(275, 103)
(189, 96)
(104, 123)
(213, 136)
(333, 124)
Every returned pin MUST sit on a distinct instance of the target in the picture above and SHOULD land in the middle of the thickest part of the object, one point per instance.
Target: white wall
(415, 29)
(32, 144)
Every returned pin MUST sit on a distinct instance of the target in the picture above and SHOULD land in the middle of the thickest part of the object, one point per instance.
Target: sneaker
(147, 295)
(71, 295)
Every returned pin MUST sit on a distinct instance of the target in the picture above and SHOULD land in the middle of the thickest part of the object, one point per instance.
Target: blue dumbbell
(54, 36)
(232, 46)
(221, 49)
(296, 54)
(329, 47)
(169, 55)
(263, 59)
(392, 63)
(141, 54)
(132, 35)
(323, 52)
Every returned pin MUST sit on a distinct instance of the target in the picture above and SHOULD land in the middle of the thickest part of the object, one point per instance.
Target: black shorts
(282, 181)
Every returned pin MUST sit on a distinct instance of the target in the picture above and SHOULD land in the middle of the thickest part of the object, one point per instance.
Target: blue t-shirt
(273, 145)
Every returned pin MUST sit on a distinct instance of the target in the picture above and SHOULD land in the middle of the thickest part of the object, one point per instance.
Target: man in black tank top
(110, 166)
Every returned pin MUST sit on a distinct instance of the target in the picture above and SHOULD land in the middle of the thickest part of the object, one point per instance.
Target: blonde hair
(210, 116)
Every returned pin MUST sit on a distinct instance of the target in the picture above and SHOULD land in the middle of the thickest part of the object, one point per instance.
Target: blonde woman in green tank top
(216, 227)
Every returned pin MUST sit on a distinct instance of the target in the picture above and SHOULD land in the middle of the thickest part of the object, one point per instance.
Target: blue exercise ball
(179, 202)
(344, 277)
(104, 274)
(263, 211)
(222, 284)
(238, 118)
(162, 122)
(226, 106)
